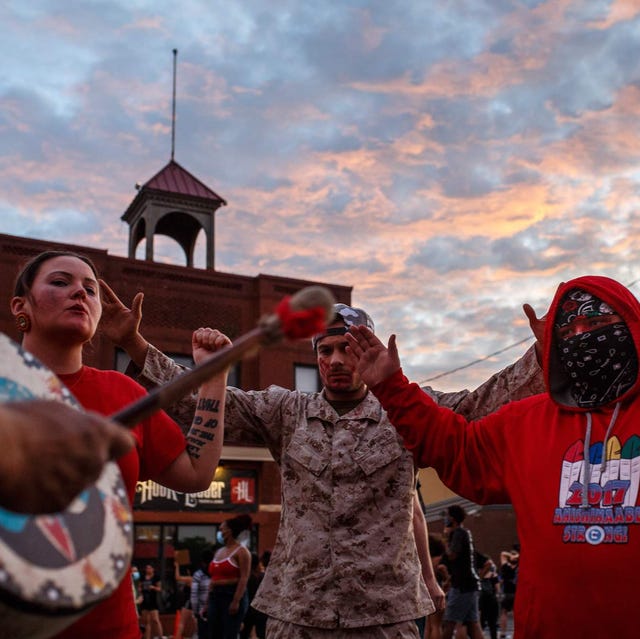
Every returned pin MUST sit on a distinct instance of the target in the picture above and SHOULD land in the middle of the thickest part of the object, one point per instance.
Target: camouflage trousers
(277, 629)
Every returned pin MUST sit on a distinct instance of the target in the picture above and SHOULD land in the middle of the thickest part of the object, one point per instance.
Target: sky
(449, 159)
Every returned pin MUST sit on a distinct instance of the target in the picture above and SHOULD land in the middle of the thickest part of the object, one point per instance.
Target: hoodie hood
(621, 300)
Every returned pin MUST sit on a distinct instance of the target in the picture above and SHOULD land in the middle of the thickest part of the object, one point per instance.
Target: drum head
(66, 562)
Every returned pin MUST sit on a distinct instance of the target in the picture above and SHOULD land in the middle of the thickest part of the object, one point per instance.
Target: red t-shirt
(159, 441)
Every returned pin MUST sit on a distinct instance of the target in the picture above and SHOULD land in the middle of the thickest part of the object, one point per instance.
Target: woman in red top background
(229, 572)
(57, 308)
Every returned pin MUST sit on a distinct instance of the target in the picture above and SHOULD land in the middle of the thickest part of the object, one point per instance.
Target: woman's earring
(23, 322)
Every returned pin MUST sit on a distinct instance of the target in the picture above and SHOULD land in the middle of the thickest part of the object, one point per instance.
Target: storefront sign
(230, 490)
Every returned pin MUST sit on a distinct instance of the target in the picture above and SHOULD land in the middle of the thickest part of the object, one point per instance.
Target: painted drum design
(55, 567)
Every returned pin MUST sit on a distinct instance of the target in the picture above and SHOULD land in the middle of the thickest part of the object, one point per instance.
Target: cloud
(449, 161)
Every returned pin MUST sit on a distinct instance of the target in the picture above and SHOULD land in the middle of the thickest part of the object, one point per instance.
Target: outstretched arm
(181, 579)
(193, 470)
(378, 362)
(435, 436)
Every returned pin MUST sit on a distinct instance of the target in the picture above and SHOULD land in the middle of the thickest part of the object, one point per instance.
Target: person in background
(567, 460)
(187, 623)
(336, 503)
(508, 580)
(489, 585)
(56, 451)
(463, 595)
(229, 572)
(200, 593)
(150, 588)
(57, 306)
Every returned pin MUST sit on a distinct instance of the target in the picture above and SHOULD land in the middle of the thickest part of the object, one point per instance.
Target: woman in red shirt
(229, 572)
(57, 308)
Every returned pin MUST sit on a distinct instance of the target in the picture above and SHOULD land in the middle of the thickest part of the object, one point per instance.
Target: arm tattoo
(199, 437)
(211, 405)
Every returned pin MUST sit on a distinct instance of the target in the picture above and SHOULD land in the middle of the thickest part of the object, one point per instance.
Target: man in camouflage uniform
(345, 562)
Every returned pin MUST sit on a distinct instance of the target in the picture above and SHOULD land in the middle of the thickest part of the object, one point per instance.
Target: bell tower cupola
(174, 203)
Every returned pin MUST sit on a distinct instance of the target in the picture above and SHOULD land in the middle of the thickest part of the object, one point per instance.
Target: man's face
(337, 369)
(595, 350)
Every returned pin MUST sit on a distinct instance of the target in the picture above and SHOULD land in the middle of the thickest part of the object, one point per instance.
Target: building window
(306, 378)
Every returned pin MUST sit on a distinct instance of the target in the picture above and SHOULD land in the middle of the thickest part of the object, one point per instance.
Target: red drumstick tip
(306, 313)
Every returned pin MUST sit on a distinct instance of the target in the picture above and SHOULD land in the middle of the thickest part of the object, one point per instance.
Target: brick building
(177, 300)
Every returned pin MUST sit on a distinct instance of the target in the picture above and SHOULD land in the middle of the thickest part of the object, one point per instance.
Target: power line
(476, 361)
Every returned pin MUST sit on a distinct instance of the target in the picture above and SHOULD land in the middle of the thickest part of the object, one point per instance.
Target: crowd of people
(213, 598)
(219, 589)
(480, 594)
(352, 556)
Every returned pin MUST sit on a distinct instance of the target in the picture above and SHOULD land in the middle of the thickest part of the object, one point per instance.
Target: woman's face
(226, 531)
(64, 300)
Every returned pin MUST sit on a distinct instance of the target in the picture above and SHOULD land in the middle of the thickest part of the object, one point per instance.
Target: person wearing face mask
(229, 572)
(568, 460)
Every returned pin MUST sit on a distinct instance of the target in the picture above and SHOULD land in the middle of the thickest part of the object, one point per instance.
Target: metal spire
(173, 108)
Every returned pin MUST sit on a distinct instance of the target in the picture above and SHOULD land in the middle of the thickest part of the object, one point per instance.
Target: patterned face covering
(602, 363)
(578, 304)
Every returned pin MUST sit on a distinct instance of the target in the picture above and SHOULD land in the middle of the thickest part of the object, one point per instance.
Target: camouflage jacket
(345, 555)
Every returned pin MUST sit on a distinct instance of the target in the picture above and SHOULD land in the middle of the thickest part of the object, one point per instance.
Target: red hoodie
(580, 563)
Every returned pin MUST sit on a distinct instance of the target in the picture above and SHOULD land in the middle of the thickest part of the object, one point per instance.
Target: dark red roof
(176, 179)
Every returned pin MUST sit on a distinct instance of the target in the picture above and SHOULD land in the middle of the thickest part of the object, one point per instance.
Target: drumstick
(302, 315)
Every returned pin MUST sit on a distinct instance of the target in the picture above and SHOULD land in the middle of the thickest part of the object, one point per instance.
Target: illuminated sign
(231, 489)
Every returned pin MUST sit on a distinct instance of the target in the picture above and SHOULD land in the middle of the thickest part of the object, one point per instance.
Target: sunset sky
(450, 160)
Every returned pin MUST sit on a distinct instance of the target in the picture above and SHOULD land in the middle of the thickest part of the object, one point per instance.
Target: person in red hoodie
(568, 460)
